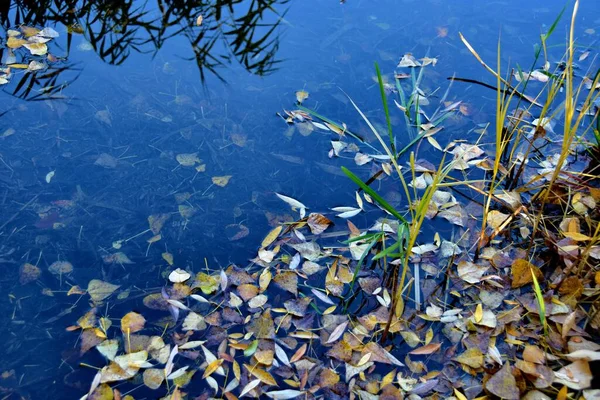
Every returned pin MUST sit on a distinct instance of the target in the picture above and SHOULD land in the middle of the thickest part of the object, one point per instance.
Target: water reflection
(219, 33)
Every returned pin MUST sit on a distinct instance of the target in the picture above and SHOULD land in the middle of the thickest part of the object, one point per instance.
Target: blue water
(155, 105)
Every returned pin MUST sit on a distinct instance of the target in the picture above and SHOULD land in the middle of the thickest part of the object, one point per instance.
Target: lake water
(89, 152)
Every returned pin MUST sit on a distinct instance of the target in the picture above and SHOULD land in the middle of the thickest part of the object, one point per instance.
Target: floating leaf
(154, 378)
(301, 95)
(37, 49)
(179, 275)
(503, 384)
(521, 273)
(472, 357)
(427, 349)
(337, 333)
(271, 237)
(132, 322)
(318, 223)
(284, 394)
(250, 387)
(261, 374)
(295, 204)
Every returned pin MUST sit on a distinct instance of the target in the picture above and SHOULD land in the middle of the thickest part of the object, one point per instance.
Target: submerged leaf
(100, 290)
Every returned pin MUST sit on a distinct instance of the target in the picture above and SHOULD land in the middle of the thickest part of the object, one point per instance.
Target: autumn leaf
(261, 374)
(100, 290)
(427, 349)
(301, 95)
(521, 273)
(221, 181)
(472, 357)
(503, 384)
(132, 322)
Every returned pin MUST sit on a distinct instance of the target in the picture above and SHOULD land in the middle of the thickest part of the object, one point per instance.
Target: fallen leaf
(427, 349)
(221, 181)
(132, 322)
(503, 384)
(100, 290)
(179, 275)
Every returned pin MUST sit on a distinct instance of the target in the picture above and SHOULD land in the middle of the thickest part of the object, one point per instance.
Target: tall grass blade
(540, 300)
(384, 204)
(386, 110)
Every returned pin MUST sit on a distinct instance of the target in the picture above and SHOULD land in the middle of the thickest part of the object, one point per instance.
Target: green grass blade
(386, 110)
(546, 35)
(540, 299)
(387, 252)
(384, 204)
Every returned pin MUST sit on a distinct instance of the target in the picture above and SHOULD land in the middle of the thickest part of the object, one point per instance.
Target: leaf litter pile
(502, 304)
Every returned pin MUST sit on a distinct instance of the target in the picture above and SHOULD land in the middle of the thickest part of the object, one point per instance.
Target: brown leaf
(263, 326)
(472, 357)
(428, 349)
(503, 384)
(299, 353)
(132, 322)
(287, 280)
(28, 273)
(318, 223)
(521, 273)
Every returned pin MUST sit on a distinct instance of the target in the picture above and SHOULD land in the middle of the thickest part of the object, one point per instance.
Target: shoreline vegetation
(504, 303)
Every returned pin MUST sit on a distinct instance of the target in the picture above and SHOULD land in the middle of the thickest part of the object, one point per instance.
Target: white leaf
(179, 275)
(349, 213)
(249, 387)
(177, 304)
(212, 383)
(284, 394)
(281, 355)
(178, 373)
(49, 176)
(337, 333)
(169, 364)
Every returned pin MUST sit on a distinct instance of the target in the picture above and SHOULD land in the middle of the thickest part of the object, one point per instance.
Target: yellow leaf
(479, 313)
(261, 374)
(236, 370)
(459, 395)
(199, 20)
(428, 336)
(188, 159)
(37, 49)
(301, 95)
(221, 181)
(168, 257)
(212, 367)
(576, 236)
(364, 359)
(15, 43)
(271, 237)
(132, 322)
(329, 310)
(389, 378)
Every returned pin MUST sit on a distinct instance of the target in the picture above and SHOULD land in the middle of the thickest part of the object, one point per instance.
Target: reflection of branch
(45, 82)
(232, 31)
